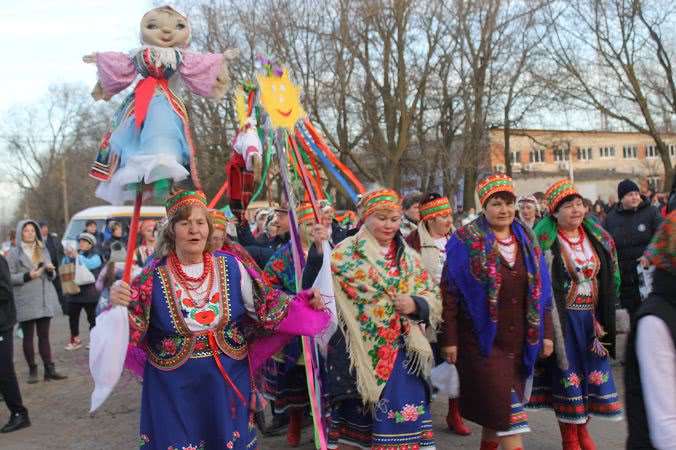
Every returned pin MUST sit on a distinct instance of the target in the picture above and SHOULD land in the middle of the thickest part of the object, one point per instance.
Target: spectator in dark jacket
(650, 375)
(116, 235)
(9, 387)
(55, 249)
(632, 222)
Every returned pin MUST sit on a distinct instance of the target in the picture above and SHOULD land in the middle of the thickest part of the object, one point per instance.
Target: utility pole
(64, 190)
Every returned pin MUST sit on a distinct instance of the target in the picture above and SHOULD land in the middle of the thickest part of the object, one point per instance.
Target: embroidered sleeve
(139, 308)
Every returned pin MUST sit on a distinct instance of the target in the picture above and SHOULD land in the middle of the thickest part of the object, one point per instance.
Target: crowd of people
(520, 297)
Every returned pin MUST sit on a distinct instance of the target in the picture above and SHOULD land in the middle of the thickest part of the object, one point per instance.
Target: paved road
(60, 419)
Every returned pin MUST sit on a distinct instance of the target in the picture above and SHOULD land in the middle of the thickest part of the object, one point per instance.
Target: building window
(584, 153)
(629, 152)
(515, 158)
(537, 156)
(651, 152)
(607, 152)
(655, 183)
(561, 155)
(672, 150)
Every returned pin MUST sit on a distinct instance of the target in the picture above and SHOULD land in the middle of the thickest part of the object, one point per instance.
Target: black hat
(625, 187)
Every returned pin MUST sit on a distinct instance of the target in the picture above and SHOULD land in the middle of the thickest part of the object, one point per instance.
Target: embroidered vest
(170, 343)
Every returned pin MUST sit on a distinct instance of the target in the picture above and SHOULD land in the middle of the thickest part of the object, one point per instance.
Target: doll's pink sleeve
(116, 71)
(200, 70)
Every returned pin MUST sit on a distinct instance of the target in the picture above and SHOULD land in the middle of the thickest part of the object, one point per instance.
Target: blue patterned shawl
(473, 261)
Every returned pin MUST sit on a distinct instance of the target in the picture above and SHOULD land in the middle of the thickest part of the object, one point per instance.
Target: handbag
(83, 276)
(67, 274)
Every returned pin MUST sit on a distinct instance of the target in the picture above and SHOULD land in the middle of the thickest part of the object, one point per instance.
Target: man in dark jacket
(650, 375)
(9, 387)
(56, 253)
(632, 222)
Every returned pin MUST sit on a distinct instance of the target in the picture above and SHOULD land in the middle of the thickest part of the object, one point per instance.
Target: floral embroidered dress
(387, 406)
(187, 402)
(586, 387)
(149, 138)
(284, 373)
(192, 353)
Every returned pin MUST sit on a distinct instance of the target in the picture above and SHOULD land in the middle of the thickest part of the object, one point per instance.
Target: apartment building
(596, 160)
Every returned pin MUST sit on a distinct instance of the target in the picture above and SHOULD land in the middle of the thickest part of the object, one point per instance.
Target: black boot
(52, 374)
(32, 374)
(17, 421)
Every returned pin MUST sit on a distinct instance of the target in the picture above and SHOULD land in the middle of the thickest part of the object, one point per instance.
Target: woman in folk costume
(285, 377)
(149, 138)
(430, 239)
(497, 314)
(191, 313)
(147, 247)
(379, 358)
(582, 260)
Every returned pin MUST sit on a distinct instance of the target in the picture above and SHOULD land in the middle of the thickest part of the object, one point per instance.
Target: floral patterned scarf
(365, 283)
(473, 261)
(547, 229)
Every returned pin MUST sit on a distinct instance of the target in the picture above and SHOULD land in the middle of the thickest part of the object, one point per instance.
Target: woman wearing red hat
(430, 239)
(497, 314)
(187, 313)
(578, 382)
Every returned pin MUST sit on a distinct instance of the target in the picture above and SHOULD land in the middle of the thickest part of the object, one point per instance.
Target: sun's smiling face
(281, 100)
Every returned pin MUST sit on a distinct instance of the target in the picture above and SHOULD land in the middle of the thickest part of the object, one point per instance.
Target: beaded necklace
(194, 285)
(584, 262)
(507, 248)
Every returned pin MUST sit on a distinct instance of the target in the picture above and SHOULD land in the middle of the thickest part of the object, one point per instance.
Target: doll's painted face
(281, 100)
(163, 27)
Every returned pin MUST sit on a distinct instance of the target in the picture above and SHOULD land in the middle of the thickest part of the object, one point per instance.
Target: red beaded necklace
(580, 240)
(506, 242)
(191, 283)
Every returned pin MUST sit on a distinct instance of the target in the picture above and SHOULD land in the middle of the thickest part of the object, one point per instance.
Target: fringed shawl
(473, 261)
(365, 286)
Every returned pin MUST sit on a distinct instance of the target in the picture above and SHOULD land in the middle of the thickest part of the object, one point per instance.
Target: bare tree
(608, 49)
(50, 147)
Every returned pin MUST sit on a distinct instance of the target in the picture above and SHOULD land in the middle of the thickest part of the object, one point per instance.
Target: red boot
(489, 445)
(586, 441)
(295, 423)
(569, 439)
(454, 420)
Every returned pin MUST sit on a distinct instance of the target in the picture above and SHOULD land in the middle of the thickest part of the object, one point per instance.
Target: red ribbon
(214, 351)
(143, 93)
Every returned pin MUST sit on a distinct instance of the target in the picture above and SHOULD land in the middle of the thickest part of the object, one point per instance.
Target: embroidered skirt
(587, 387)
(518, 421)
(402, 420)
(285, 379)
(194, 407)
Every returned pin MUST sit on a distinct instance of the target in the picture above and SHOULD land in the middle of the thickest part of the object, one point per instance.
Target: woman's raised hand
(315, 301)
(89, 59)
(120, 294)
(404, 304)
(450, 354)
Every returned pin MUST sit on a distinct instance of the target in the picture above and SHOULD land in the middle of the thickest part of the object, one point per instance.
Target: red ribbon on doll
(143, 93)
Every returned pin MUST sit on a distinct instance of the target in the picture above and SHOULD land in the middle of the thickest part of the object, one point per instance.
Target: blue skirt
(158, 151)
(402, 420)
(587, 388)
(194, 407)
(162, 133)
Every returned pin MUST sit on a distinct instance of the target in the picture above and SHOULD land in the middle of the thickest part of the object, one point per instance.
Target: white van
(103, 214)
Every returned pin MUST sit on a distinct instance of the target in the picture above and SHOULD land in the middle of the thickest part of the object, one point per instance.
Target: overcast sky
(43, 43)
(44, 40)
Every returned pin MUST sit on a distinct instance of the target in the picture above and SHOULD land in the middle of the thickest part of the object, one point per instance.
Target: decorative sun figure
(281, 100)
